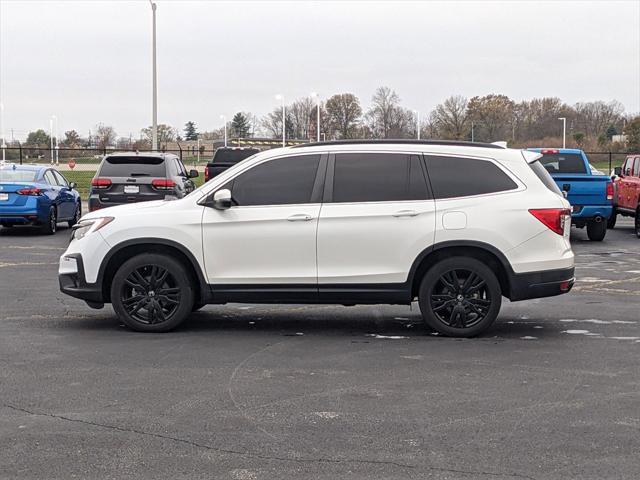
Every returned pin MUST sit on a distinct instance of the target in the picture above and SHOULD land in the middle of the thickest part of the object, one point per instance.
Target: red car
(628, 190)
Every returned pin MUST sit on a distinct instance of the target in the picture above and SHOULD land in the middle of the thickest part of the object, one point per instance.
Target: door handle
(300, 217)
(406, 213)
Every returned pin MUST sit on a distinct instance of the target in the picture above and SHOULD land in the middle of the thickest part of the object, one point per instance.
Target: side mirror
(618, 171)
(222, 199)
(72, 185)
(193, 173)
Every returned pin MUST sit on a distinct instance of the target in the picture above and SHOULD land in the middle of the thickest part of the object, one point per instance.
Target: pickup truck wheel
(596, 231)
(152, 293)
(460, 297)
(611, 223)
(638, 222)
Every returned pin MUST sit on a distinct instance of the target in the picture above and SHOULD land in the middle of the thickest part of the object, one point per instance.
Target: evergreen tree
(240, 126)
(611, 131)
(190, 132)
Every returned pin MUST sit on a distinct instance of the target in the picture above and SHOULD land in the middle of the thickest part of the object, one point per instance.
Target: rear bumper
(586, 212)
(548, 283)
(75, 285)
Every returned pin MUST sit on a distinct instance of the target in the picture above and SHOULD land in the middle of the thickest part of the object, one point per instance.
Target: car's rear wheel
(460, 297)
(51, 224)
(637, 223)
(152, 293)
(611, 223)
(76, 216)
(596, 231)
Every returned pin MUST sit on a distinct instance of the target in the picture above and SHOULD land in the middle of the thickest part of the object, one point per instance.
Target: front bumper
(72, 281)
(547, 283)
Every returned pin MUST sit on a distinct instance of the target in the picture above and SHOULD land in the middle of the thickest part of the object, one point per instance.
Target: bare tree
(386, 118)
(594, 117)
(450, 118)
(343, 115)
(166, 133)
(492, 115)
(105, 135)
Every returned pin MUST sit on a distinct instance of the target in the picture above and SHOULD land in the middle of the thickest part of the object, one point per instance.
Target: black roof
(457, 143)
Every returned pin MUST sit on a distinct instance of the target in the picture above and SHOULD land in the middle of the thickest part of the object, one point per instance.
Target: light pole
(284, 131)
(564, 131)
(154, 120)
(51, 137)
(417, 123)
(4, 144)
(317, 97)
(224, 119)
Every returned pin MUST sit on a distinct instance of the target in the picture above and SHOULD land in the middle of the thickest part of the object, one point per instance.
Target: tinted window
(544, 176)
(133, 167)
(49, 178)
(563, 163)
(60, 179)
(378, 177)
(636, 167)
(277, 182)
(233, 155)
(626, 167)
(462, 177)
(9, 175)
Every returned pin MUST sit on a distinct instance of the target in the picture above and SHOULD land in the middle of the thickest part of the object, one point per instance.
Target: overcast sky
(90, 61)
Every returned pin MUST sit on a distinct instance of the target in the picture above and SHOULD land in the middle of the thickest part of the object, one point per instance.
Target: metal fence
(79, 165)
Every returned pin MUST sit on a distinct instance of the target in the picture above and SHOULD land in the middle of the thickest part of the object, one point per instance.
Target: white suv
(456, 225)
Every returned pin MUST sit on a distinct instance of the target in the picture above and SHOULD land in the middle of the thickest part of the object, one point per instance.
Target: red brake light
(554, 218)
(550, 150)
(610, 191)
(29, 191)
(163, 183)
(206, 174)
(100, 183)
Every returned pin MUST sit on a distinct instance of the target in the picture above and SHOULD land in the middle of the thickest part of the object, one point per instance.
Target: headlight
(85, 227)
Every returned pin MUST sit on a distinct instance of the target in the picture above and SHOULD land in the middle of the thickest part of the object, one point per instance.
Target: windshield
(11, 175)
(563, 163)
(135, 166)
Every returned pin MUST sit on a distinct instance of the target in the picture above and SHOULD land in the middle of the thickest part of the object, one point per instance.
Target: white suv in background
(456, 225)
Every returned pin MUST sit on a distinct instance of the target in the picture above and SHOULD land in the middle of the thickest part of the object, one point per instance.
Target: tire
(51, 225)
(611, 223)
(637, 222)
(451, 306)
(596, 231)
(142, 302)
(76, 215)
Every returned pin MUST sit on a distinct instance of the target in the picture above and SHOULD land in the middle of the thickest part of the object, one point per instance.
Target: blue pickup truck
(590, 192)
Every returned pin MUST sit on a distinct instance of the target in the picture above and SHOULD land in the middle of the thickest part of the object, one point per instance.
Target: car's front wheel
(76, 216)
(460, 297)
(637, 223)
(152, 293)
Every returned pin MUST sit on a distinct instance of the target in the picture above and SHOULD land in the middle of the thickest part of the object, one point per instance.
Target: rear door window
(49, 178)
(378, 177)
(563, 163)
(133, 166)
(453, 177)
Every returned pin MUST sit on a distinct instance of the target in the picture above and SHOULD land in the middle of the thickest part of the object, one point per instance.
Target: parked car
(628, 191)
(589, 192)
(226, 157)
(456, 225)
(127, 177)
(37, 195)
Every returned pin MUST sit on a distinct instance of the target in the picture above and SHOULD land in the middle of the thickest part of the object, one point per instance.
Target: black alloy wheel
(638, 222)
(460, 297)
(152, 293)
(51, 224)
(76, 215)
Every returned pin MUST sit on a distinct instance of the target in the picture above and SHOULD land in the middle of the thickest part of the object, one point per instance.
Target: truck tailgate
(584, 189)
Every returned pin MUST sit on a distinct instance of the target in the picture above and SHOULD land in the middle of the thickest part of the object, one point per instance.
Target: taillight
(549, 151)
(29, 191)
(100, 183)
(610, 191)
(554, 218)
(163, 183)
(206, 174)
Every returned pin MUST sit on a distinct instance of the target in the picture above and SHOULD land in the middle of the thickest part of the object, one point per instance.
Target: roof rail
(454, 143)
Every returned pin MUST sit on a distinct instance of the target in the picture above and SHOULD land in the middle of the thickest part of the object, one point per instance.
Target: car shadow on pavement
(28, 231)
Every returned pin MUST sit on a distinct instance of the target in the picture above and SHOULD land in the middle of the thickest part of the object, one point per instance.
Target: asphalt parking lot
(246, 392)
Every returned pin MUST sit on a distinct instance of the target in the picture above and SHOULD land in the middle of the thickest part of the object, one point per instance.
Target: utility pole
(154, 124)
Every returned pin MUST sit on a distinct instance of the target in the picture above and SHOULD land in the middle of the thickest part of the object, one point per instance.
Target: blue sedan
(37, 195)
